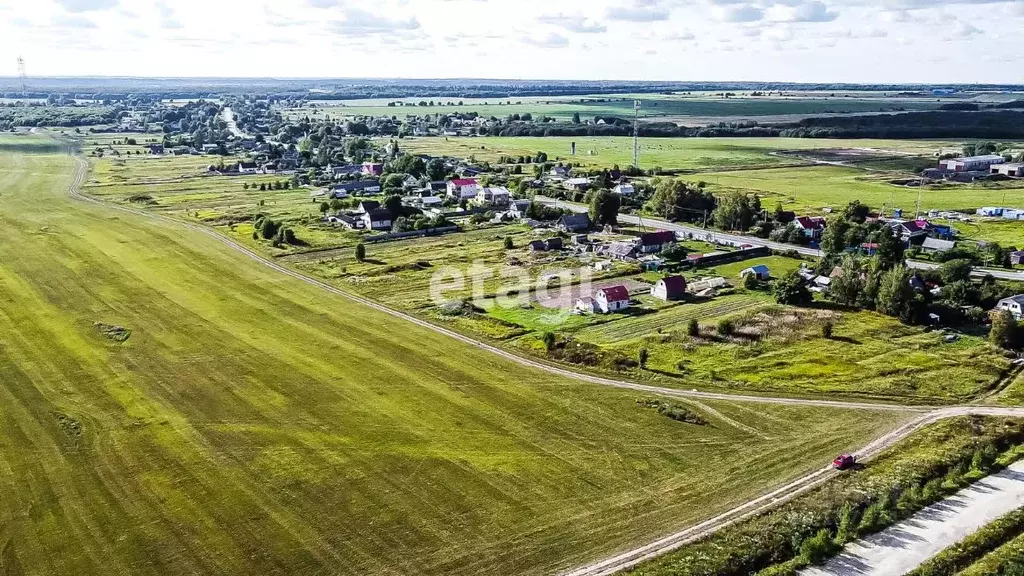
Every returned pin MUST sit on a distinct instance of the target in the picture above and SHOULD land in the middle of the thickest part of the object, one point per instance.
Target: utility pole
(636, 134)
(23, 76)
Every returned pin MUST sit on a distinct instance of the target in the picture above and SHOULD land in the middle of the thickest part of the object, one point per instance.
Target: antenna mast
(22, 75)
(636, 134)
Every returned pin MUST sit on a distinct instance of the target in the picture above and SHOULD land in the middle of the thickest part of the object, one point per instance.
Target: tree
(324, 207)
(958, 270)
(436, 170)
(549, 341)
(360, 252)
(675, 200)
(833, 240)
(604, 208)
(856, 212)
(750, 282)
(508, 243)
(791, 290)
(726, 328)
(643, 356)
(394, 204)
(575, 117)
(1005, 332)
(896, 296)
(847, 286)
(890, 249)
(737, 211)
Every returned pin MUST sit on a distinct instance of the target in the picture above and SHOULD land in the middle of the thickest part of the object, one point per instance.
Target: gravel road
(906, 545)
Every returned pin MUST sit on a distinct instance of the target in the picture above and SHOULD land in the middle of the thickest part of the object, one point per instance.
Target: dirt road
(906, 545)
(626, 559)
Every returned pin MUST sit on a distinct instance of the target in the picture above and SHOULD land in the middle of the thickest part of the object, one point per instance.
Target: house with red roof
(612, 299)
(463, 188)
(372, 168)
(812, 226)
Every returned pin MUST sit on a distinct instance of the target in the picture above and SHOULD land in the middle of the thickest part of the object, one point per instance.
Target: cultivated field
(687, 154)
(171, 406)
(682, 108)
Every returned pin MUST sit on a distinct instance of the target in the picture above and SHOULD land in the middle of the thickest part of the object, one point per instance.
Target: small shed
(760, 272)
(669, 288)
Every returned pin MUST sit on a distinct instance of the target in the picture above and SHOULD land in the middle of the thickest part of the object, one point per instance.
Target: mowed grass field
(653, 107)
(253, 424)
(693, 154)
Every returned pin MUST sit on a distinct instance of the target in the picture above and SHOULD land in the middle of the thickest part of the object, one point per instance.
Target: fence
(392, 236)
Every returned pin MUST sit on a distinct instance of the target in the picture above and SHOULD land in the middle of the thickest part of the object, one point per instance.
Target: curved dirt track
(630, 558)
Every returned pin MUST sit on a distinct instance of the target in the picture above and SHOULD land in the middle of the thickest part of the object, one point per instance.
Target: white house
(463, 189)
(248, 168)
(624, 190)
(517, 209)
(1015, 304)
(378, 219)
(494, 196)
(972, 163)
(612, 299)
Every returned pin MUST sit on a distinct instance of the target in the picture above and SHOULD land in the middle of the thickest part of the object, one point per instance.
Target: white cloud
(78, 6)
(572, 23)
(359, 22)
(738, 13)
(550, 41)
(815, 11)
(640, 11)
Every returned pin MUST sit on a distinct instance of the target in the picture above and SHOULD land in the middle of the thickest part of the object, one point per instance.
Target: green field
(706, 107)
(811, 189)
(689, 154)
(171, 406)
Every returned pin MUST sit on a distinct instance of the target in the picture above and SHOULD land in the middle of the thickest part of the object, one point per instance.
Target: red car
(844, 462)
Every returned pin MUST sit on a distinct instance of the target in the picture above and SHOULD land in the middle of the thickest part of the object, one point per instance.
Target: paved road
(229, 117)
(712, 235)
(921, 416)
(906, 545)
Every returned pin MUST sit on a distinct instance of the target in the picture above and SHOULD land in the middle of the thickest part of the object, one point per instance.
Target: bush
(508, 243)
(826, 329)
(818, 548)
(726, 328)
(360, 252)
(750, 282)
(549, 341)
(693, 328)
(643, 356)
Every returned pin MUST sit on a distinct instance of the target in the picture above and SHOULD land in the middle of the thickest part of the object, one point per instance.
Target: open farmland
(173, 406)
(682, 108)
(678, 154)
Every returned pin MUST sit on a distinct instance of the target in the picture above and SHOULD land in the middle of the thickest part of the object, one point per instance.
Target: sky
(859, 41)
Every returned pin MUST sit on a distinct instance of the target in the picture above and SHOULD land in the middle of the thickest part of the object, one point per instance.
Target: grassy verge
(1007, 560)
(964, 553)
(917, 472)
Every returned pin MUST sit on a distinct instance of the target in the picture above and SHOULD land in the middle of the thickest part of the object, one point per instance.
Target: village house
(574, 223)
(378, 219)
(653, 242)
(612, 299)
(559, 172)
(624, 190)
(248, 168)
(1015, 304)
(155, 148)
(463, 189)
(669, 288)
(812, 226)
(497, 196)
(372, 169)
(357, 187)
(538, 246)
(934, 245)
(1017, 258)
(367, 206)
(517, 209)
(908, 231)
(346, 170)
(553, 243)
(576, 184)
